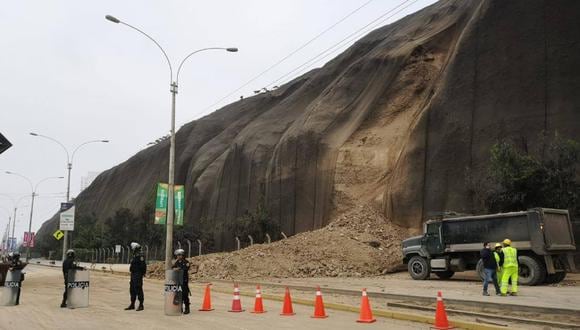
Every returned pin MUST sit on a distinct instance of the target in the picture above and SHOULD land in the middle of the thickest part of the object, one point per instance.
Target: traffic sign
(117, 248)
(58, 235)
(67, 219)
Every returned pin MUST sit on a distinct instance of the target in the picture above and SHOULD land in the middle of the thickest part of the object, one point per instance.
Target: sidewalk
(461, 288)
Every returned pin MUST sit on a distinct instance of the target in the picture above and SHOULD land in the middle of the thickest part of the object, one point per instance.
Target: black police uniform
(184, 265)
(16, 264)
(138, 269)
(67, 265)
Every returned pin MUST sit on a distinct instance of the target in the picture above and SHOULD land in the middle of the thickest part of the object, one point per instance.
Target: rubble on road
(361, 242)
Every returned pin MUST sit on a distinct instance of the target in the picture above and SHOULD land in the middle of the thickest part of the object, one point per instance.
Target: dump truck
(543, 237)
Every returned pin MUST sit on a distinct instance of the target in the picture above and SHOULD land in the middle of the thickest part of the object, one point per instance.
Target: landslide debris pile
(359, 243)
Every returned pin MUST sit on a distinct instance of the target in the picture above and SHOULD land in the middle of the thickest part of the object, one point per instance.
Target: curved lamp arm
(46, 179)
(117, 21)
(229, 49)
(25, 178)
(54, 140)
(83, 144)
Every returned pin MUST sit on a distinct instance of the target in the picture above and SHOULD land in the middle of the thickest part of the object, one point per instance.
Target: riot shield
(10, 288)
(77, 288)
(173, 292)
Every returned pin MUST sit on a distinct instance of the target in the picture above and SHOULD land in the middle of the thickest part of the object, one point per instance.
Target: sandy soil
(42, 291)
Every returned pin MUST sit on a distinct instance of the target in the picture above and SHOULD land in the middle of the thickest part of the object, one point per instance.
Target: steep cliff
(397, 120)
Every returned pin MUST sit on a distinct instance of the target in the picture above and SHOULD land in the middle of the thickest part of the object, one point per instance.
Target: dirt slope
(361, 242)
(395, 121)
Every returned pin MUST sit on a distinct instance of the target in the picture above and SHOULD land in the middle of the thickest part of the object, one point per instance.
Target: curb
(424, 299)
(382, 313)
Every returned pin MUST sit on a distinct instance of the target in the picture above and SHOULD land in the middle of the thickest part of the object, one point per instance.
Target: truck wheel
(555, 278)
(445, 275)
(419, 268)
(531, 271)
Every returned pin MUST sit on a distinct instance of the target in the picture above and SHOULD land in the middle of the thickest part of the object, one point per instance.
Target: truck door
(433, 239)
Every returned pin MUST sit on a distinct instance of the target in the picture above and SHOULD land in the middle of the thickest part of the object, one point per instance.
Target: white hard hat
(135, 246)
(179, 252)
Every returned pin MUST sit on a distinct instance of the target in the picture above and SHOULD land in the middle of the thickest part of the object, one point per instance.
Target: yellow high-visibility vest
(510, 257)
(496, 255)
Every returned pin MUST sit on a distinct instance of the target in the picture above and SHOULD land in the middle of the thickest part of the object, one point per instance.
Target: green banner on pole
(161, 204)
(179, 205)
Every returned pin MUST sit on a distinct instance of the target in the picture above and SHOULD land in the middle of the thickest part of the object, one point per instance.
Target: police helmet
(70, 253)
(135, 246)
(179, 252)
(507, 241)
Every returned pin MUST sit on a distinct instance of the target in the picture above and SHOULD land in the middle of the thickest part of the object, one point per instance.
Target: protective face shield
(135, 246)
(179, 252)
(70, 253)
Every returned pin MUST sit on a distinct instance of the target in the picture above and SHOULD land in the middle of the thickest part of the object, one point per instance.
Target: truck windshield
(433, 229)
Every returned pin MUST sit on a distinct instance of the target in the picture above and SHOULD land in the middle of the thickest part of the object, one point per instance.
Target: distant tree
(548, 178)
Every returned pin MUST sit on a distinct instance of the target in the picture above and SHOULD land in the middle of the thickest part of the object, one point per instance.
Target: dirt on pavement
(362, 242)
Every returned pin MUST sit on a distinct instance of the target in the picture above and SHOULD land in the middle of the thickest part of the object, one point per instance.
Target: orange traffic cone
(287, 308)
(236, 303)
(441, 322)
(206, 306)
(366, 315)
(258, 305)
(319, 312)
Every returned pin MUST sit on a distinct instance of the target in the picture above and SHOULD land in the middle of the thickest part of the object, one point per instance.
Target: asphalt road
(42, 291)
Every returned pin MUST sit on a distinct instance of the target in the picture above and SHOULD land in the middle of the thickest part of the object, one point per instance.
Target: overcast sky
(67, 73)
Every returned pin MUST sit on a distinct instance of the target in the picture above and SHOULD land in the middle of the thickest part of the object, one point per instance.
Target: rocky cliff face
(397, 120)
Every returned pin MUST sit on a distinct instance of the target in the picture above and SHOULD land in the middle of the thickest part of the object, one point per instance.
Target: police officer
(16, 264)
(68, 265)
(138, 269)
(183, 264)
(509, 265)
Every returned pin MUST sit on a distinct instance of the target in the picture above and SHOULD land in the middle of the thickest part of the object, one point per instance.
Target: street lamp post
(171, 177)
(15, 204)
(69, 165)
(34, 188)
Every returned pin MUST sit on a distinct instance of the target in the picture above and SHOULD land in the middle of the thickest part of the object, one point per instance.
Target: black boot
(132, 306)
(63, 304)
(186, 311)
(140, 308)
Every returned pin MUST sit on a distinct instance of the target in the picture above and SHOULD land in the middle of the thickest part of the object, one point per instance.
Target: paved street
(42, 292)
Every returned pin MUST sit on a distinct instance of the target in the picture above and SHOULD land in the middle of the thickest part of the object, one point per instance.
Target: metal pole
(171, 183)
(268, 238)
(65, 240)
(199, 244)
(13, 228)
(251, 240)
(188, 248)
(238, 242)
(30, 227)
(146, 252)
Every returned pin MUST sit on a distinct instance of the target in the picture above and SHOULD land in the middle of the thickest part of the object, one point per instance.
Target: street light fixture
(69, 162)
(173, 89)
(34, 188)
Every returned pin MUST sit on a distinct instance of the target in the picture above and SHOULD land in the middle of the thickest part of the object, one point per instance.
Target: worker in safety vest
(498, 255)
(509, 266)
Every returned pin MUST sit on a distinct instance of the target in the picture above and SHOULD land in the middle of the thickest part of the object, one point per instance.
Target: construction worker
(489, 269)
(509, 266)
(498, 255)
